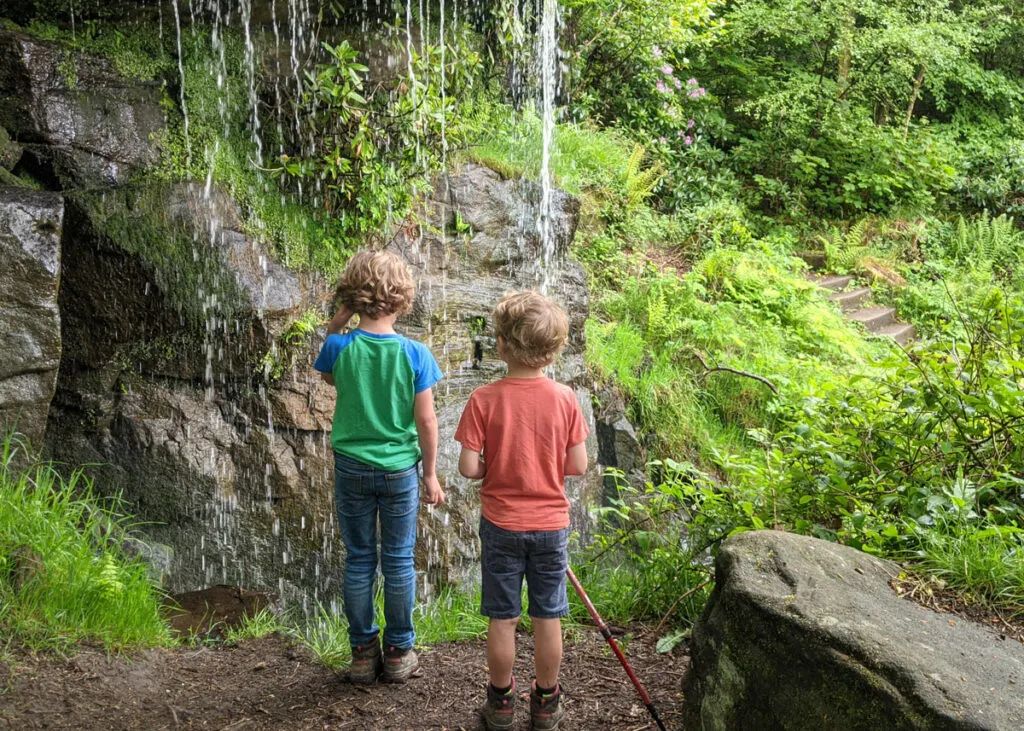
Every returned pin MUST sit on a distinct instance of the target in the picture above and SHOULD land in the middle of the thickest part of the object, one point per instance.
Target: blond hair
(376, 284)
(533, 327)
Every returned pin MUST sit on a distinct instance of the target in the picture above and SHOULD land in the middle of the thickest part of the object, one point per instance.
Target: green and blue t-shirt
(377, 378)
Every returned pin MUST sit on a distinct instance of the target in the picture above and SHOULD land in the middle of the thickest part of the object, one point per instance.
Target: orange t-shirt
(523, 427)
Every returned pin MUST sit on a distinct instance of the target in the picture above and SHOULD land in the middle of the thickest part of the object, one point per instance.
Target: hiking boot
(546, 711)
(367, 663)
(500, 710)
(400, 665)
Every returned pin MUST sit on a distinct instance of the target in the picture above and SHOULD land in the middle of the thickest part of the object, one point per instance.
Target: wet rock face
(803, 633)
(30, 263)
(217, 431)
(163, 387)
(80, 122)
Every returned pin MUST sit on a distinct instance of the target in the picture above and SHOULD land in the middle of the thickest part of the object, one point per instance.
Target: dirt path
(272, 684)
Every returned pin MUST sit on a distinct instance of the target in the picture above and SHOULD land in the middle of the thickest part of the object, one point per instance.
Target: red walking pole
(606, 633)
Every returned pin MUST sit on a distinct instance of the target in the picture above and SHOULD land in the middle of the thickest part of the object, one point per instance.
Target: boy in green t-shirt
(384, 425)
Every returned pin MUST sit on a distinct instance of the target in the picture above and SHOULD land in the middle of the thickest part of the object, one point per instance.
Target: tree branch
(724, 369)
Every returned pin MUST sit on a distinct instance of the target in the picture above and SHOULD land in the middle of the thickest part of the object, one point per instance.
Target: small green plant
(254, 626)
(68, 71)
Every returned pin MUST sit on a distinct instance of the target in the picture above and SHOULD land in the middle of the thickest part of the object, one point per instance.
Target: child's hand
(432, 492)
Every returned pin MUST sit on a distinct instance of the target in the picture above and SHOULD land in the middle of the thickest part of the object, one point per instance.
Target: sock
(547, 691)
(502, 691)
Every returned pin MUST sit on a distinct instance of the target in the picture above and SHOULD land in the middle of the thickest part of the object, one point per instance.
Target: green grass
(63, 577)
(584, 158)
(985, 564)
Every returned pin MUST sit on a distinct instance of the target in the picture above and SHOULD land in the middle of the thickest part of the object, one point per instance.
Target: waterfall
(549, 70)
(181, 76)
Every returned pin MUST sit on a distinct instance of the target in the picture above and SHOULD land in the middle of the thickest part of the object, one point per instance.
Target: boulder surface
(30, 231)
(801, 633)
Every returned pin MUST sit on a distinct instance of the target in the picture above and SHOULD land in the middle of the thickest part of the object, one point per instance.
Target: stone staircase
(855, 301)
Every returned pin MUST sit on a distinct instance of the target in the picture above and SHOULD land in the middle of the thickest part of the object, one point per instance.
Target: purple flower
(677, 82)
(656, 52)
(661, 86)
(680, 133)
(687, 140)
(661, 140)
(667, 70)
(701, 91)
(693, 94)
(691, 82)
(689, 125)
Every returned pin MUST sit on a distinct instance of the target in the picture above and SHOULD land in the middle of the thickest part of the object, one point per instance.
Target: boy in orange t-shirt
(531, 432)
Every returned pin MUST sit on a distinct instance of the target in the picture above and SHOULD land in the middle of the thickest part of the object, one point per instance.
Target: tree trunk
(845, 54)
(918, 80)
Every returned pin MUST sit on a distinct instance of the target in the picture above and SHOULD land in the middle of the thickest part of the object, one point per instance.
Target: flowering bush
(634, 76)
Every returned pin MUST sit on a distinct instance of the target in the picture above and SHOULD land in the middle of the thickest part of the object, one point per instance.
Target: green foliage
(920, 440)
(378, 148)
(135, 51)
(746, 310)
(647, 562)
(63, 576)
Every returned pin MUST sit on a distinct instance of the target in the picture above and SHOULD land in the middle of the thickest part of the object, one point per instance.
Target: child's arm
(338, 322)
(472, 465)
(576, 459)
(426, 428)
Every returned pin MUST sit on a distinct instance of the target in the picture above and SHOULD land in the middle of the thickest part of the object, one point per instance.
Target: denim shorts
(542, 557)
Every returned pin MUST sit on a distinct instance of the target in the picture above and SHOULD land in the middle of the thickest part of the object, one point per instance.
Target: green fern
(844, 249)
(986, 241)
(640, 184)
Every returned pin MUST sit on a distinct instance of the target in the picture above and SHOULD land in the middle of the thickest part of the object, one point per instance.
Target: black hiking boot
(500, 710)
(400, 665)
(546, 711)
(367, 663)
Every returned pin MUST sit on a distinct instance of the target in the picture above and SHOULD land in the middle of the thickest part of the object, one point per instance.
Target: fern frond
(640, 184)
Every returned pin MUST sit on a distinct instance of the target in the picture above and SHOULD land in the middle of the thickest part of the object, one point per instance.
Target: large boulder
(30, 231)
(82, 124)
(802, 633)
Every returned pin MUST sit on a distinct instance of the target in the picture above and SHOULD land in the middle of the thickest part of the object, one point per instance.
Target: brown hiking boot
(400, 665)
(546, 711)
(367, 663)
(500, 710)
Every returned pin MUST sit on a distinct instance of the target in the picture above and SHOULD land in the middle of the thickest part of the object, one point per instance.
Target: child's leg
(357, 519)
(502, 567)
(399, 505)
(547, 652)
(545, 581)
(501, 650)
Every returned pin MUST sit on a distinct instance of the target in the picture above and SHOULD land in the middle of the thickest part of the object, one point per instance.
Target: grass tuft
(64, 578)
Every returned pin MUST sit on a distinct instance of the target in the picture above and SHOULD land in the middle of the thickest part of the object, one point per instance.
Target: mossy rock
(801, 633)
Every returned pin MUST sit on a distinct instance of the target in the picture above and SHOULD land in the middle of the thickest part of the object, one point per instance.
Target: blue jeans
(362, 494)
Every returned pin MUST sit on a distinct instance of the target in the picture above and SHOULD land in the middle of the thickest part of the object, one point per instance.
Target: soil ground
(271, 683)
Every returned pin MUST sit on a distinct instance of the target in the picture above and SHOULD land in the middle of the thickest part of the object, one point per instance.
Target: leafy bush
(921, 440)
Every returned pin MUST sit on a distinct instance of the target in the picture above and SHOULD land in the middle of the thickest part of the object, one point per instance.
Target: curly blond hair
(534, 328)
(376, 284)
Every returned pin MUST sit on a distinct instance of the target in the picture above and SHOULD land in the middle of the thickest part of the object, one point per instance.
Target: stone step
(834, 282)
(901, 332)
(874, 318)
(814, 259)
(853, 299)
